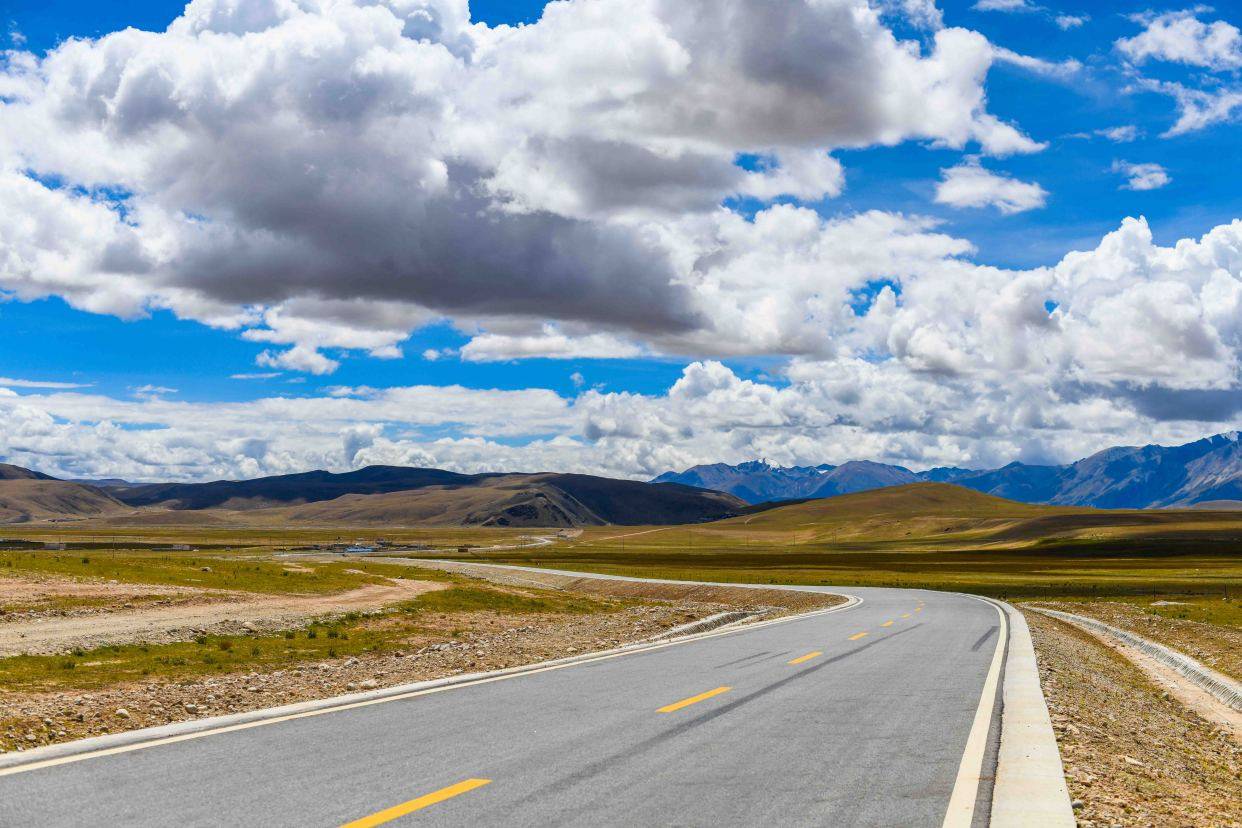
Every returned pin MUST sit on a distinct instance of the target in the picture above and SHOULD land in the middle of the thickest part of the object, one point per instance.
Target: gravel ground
(1133, 755)
(1217, 646)
(485, 641)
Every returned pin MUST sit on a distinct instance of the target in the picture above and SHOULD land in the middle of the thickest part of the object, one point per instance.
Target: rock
(369, 684)
(1077, 804)
(1132, 761)
(247, 625)
(122, 713)
(190, 707)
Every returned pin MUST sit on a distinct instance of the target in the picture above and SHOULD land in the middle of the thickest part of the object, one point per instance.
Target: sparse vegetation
(206, 572)
(351, 634)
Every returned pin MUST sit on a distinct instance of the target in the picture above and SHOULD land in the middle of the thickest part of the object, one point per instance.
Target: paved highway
(860, 716)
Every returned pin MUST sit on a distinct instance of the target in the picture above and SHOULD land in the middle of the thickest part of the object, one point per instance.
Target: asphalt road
(855, 717)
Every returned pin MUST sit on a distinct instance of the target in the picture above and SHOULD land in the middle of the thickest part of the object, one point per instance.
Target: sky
(246, 237)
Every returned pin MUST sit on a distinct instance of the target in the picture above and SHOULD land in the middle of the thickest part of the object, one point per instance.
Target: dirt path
(177, 623)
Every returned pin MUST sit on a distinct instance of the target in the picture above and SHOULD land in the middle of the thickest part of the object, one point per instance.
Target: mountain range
(1207, 471)
(375, 495)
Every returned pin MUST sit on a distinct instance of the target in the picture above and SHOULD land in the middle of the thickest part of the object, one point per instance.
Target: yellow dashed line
(887, 624)
(806, 658)
(857, 636)
(669, 708)
(389, 814)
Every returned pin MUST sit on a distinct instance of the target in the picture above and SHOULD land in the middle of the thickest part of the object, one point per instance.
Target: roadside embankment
(1133, 754)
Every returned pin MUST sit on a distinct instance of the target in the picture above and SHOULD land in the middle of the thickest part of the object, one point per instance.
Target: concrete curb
(1030, 785)
(17, 761)
(711, 622)
(1221, 687)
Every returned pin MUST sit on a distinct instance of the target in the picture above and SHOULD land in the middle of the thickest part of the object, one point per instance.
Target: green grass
(206, 572)
(349, 635)
(1067, 573)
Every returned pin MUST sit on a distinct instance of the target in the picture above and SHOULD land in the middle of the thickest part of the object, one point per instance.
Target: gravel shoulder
(1134, 755)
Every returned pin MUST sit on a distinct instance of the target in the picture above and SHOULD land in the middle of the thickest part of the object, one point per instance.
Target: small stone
(1077, 804)
(122, 713)
(190, 707)
(369, 684)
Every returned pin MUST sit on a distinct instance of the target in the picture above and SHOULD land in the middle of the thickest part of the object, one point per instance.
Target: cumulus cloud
(333, 175)
(1142, 176)
(1180, 37)
(970, 185)
(938, 361)
(1070, 21)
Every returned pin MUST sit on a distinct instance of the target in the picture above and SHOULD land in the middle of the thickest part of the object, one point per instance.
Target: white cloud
(1142, 176)
(948, 362)
(1120, 134)
(255, 376)
(298, 358)
(1197, 108)
(335, 175)
(970, 185)
(9, 382)
(1070, 21)
(1180, 37)
(1005, 5)
(550, 342)
(152, 392)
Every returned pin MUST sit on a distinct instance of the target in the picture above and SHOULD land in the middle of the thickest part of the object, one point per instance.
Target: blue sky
(117, 354)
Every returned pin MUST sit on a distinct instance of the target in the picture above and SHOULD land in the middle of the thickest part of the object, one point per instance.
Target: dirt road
(178, 623)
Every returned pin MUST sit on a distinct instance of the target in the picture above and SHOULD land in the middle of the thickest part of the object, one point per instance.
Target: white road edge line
(961, 810)
(100, 746)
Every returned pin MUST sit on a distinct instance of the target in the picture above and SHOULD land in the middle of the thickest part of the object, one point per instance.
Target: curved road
(859, 716)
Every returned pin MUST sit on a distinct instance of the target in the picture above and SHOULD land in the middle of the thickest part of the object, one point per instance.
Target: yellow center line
(389, 814)
(807, 657)
(669, 708)
(887, 624)
(857, 636)
(905, 615)
(918, 609)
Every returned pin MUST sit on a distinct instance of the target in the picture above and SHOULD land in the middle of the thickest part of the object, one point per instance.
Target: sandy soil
(1217, 646)
(489, 641)
(1134, 755)
(181, 622)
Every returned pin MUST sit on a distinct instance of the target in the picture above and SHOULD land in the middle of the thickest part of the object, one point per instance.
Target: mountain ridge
(1119, 477)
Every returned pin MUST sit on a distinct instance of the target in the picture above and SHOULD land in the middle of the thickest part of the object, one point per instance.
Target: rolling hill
(1125, 477)
(39, 497)
(931, 517)
(550, 500)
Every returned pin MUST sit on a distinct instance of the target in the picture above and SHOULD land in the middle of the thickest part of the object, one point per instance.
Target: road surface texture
(854, 717)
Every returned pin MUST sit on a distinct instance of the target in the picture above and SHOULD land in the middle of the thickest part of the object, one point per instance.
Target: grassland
(349, 635)
(930, 536)
(196, 570)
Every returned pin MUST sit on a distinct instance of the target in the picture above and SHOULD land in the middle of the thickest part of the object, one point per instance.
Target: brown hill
(551, 500)
(26, 499)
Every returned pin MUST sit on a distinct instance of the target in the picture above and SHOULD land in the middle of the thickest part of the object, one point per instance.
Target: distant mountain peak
(1118, 477)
